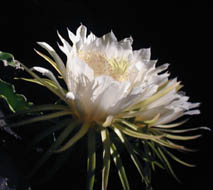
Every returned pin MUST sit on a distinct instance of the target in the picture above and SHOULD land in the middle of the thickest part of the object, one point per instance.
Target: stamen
(117, 69)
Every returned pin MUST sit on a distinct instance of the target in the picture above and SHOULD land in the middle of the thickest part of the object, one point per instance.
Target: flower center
(101, 65)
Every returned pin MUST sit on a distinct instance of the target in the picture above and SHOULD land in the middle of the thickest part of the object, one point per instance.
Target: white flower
(111, 85)
(105, 77)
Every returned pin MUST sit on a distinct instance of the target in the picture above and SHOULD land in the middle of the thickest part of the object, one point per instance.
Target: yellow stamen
(101, 65)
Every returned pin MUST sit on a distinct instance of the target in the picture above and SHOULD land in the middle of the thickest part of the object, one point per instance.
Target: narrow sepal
(106, 157)
(120, 167)
(91, 160)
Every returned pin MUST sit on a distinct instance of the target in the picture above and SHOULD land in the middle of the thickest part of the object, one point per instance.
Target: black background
(177, 32)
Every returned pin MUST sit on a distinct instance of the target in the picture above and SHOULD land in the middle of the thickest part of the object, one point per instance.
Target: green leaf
(8, 60)
(16, 102)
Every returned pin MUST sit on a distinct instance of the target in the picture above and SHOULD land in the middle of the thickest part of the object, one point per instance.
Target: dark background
(178, 33)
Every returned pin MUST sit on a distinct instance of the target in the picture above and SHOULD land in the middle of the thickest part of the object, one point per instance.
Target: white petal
(48, 74)
(91, 38)
(130, 98)
(126, 43)
(143, 54)
(149, 91)
(109, 37)
(140, 65)
(81, 33)
(192, 112)
(160, 68)
(169, 117)
(194, 105)
(100, 84)
(55, 56)
(77, 70)
(151, 113)
(107, 94)
(166, 99)
(66, 48)
(72, 36)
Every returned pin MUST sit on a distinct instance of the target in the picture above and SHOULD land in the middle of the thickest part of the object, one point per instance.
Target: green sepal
(91, 160)
(106, 157)
(119, 165)
(47, 132)
(167, 164)
(61, 138)
(83, 130)
(133, 156)
(40, 118)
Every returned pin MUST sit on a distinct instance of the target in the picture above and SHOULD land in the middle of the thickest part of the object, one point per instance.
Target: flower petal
(48, 74)
(77, 70)
(81, 33)
(109, 37)
(55, 56)
(66, 48)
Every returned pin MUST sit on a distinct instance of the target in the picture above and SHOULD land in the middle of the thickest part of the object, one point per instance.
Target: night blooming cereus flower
(113, 89)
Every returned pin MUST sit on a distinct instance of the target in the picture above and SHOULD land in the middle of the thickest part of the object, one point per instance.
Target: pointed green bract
(42, 108)
(137, 134)
(130, 125)
(167, 163)
(133, 156)
(63, 135)
(184, 130)
(183, 138)
(40, 80)
(106, 157)
(172, 125)
(41, 118)
(83, 130)
(118, 163)
(48, 131)
(49, 60)
(48, 81)
(91, 160)
(177, 159)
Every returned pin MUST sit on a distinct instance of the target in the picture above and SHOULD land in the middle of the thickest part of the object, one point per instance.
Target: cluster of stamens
(101, 65)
